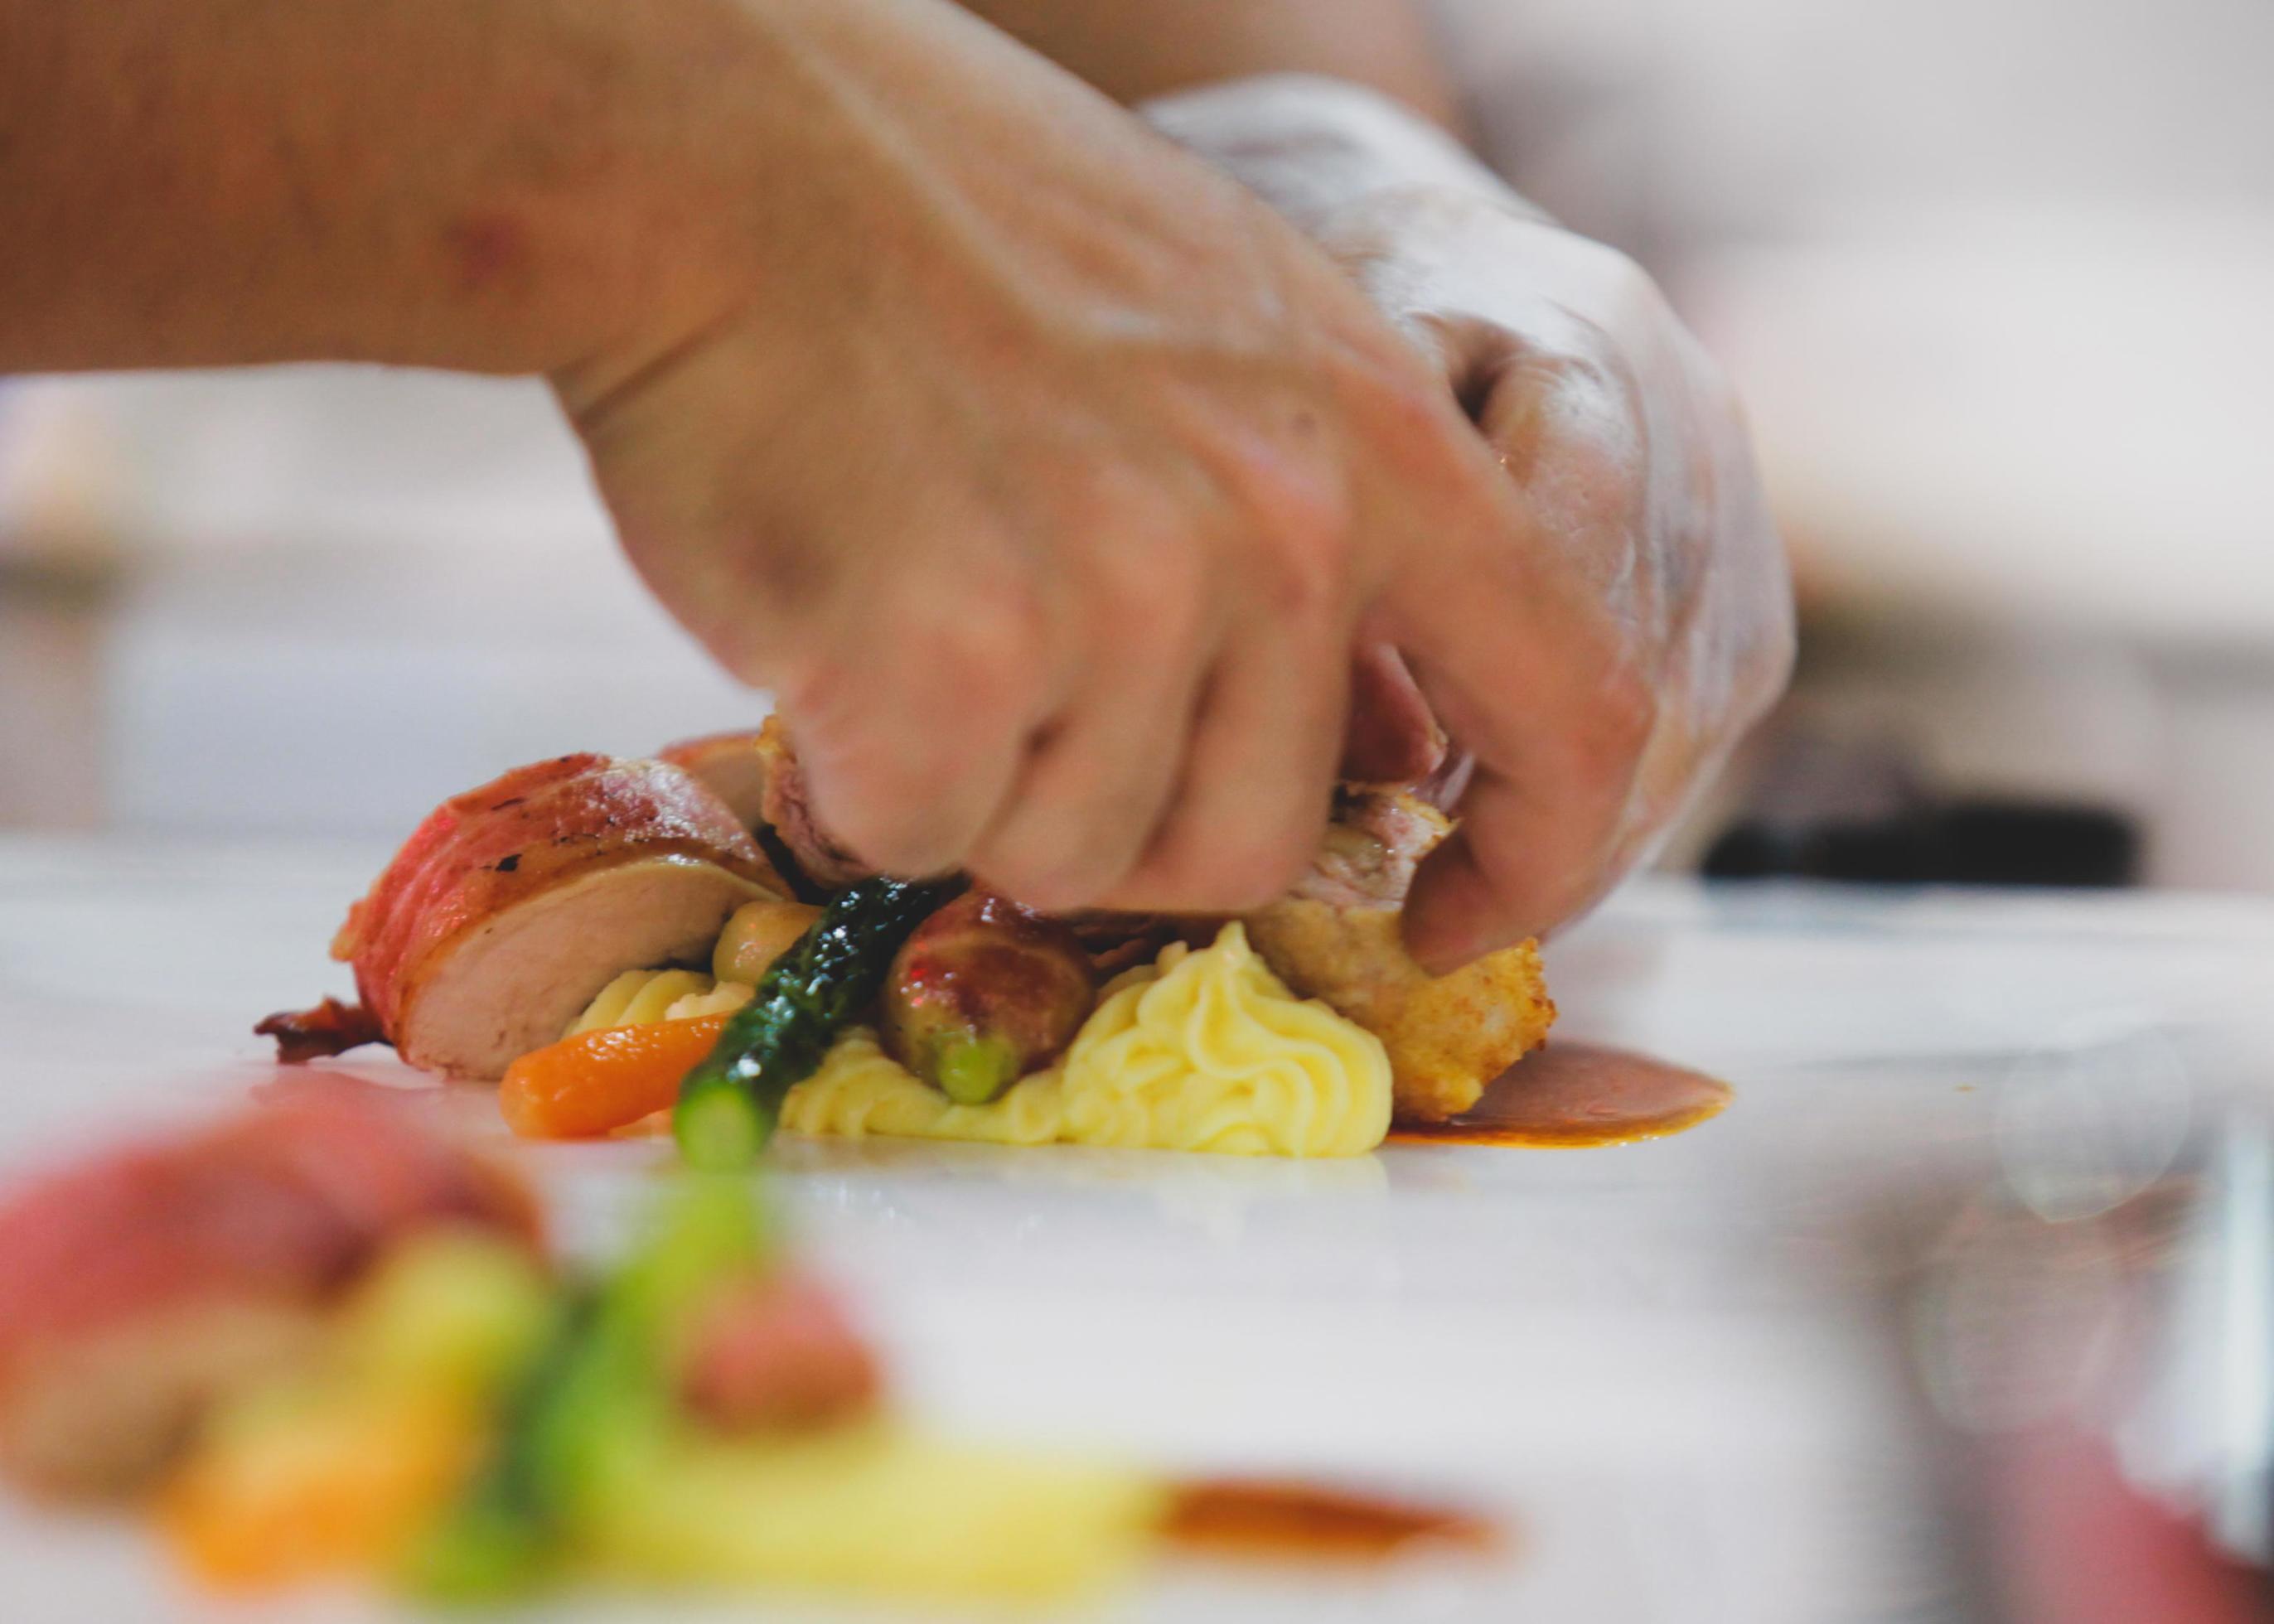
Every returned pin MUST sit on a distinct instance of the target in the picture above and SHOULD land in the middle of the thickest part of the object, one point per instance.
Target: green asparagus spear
(729, 1103)
(594, 1394)
(504, 1535)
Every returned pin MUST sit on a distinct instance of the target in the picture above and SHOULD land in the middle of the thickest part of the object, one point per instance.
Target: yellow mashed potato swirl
(1202, 1051)
(1209, 1051)
(860, 1090)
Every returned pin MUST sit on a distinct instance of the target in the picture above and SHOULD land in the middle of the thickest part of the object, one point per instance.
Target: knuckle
(1299, 525)
(984, 648)
(1302, 566)
(1151, 590)
(1306, 573)
(1597, 401)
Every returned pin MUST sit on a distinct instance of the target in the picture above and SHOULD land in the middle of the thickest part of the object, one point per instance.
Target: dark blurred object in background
(1830, 808)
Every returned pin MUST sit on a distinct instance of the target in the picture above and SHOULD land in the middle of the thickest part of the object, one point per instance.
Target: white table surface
(1655, 1360)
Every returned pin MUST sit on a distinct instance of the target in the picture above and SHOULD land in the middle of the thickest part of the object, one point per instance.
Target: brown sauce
(1568, 1096)
(1273, 1518)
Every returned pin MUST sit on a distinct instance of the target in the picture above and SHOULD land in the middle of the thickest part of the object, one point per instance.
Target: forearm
(209, 181)
(1137, 49)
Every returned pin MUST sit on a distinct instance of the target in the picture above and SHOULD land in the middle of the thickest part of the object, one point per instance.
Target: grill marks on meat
(137, 1288)
(331, 1028)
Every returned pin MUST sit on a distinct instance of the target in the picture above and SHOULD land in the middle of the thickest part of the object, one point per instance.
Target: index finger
(1529, 674)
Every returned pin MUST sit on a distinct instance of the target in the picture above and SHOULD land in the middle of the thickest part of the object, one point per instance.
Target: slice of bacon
(730, 764)
(331, 1028)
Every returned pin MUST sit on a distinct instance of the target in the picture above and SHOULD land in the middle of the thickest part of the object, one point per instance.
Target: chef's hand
(1646, 518)
(1047, 478)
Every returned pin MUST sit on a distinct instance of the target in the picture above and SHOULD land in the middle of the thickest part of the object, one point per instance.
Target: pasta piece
(860, 1090)
(641, 997)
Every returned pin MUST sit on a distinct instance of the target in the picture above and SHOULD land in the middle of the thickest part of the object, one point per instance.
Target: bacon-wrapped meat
(137, 1288)
(730, 766)
(514, 904)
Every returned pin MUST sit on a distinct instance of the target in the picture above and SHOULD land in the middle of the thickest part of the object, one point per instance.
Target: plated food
(319, 1343)
(586, 930)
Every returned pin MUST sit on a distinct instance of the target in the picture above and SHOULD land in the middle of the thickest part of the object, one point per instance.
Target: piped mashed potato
(1208, 1051)
(1203, 1050)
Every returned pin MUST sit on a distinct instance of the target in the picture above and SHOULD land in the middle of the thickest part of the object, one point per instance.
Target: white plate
(1654, 1361)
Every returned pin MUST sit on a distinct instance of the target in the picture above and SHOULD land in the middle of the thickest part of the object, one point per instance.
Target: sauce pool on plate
(1277, 1520)
(1572, 1094)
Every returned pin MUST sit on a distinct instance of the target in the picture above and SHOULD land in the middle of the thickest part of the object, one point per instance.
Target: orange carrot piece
(599, 1081)
(340, 1489)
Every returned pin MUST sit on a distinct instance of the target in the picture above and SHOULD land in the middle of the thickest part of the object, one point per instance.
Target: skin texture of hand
(1064, 492)
(1049, 479)
(1634, 469)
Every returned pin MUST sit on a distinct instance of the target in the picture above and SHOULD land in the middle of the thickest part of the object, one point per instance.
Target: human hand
(1047, 478)
(1632, 462)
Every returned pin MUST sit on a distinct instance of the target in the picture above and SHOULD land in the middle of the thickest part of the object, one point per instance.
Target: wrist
(610, 210)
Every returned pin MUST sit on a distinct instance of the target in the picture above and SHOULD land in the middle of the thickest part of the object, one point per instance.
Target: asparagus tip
(719, 1129)
(972, 1071)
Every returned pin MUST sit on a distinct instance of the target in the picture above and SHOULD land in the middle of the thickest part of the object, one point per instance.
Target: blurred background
(1996, 281)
